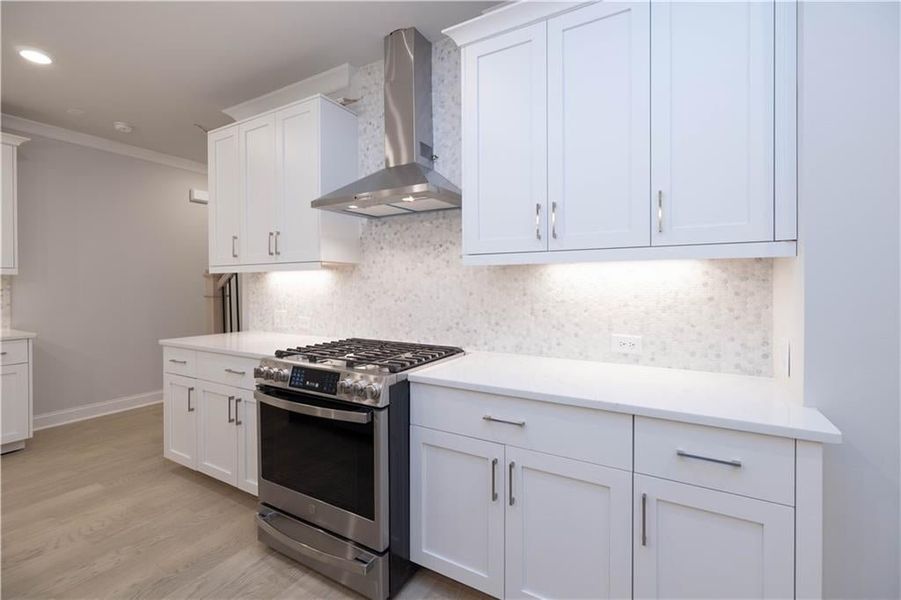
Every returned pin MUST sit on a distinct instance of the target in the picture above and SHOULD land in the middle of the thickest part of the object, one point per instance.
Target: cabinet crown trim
(510, 16)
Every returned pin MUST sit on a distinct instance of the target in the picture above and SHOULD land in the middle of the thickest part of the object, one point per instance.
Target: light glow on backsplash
(411, 285)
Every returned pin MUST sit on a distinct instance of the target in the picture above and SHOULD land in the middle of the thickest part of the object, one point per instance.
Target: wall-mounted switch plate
(625, 344)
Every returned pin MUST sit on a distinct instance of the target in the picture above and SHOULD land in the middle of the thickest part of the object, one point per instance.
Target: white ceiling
(163, 66)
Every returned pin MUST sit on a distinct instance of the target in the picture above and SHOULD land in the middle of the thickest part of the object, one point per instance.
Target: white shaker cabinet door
(569, 532)
(14, 412)
(712, 120)
(457, 507)
(259, 190)
(180, 419)
(8, 242)
(246, 424)
(505, 142)
(225, 197)
(692, 542)
(217, 442)
(598, 127)
(297, 134)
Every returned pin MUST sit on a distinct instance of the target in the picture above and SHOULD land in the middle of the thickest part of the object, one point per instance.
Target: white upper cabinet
(598, 128)
(624, 130)
(258, 188)
(9, 242)
(298, 178)
(505, 143)
(712, 118)
(224, 188)
(263, 174)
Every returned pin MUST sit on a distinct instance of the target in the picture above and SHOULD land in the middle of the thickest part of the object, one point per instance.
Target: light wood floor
(93, 510)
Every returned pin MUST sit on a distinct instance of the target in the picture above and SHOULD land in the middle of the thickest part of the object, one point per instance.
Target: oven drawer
(749, 464)
(596, 436)
(179, 361)
(14, 352)
(235, 371)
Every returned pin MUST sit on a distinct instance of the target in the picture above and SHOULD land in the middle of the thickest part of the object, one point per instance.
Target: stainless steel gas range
(334, 423)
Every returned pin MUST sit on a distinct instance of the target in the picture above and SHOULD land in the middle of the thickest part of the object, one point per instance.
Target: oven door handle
(332, 414)
(347, 564)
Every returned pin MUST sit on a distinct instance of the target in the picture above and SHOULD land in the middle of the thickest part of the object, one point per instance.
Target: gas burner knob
(345, 386)
(258, 372)
(282, 375)
(357, 388)
(373, 391)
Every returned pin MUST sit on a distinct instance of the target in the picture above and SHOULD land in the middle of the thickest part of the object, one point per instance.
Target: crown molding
(98, 143)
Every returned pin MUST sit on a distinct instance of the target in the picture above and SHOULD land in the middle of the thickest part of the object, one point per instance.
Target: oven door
(325, 462)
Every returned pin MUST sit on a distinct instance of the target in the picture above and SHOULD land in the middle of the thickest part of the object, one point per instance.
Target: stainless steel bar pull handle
(720, 461)
(493, 479)
(496, 420)
(537, 220)
(190, 408)
(233, 372)
(659, 211)
(510, 490)
(237, 420)
(178, 362)
(234, 246)
(231, 419)
(644, 512)
(277, 233)
(554, 220)
(269, 248)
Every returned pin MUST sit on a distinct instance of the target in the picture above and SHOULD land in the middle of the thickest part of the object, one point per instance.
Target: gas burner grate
(355, 352)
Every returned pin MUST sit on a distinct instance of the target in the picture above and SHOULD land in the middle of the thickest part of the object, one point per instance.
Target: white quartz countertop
(754, 404)
(16, 334)
(249, 344)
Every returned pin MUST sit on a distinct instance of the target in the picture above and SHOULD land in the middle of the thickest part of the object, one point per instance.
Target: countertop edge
(175, 343)
(17, 334)
(821, 436)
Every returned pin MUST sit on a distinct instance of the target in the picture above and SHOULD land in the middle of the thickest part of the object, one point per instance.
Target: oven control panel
(324, 382)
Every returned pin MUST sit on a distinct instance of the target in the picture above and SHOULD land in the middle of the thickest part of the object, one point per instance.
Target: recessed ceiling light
(122, 127)
(36, 56)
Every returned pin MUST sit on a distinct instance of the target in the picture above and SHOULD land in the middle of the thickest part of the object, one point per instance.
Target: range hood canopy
(408, 182)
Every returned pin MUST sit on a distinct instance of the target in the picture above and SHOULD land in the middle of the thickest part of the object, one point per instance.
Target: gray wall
(849, 190)
(112, 257)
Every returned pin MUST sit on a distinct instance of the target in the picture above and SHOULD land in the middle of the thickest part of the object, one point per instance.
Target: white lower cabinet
(217, 442)
(692, 542)
(211, 426)
(510, 522)
(180, 419)
(569, 517)
(457, 511)
(246, 424)
(15, 415)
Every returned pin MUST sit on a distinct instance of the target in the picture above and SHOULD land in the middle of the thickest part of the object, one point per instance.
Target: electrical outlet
(625, 344)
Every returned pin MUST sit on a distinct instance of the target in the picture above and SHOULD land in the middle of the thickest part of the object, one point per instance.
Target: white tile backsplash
(6, 292)
(411, 285)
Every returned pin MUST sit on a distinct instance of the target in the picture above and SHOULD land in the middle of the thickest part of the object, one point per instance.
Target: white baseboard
(96, 409)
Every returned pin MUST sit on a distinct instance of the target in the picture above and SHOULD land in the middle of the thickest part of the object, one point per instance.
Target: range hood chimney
(408, 183)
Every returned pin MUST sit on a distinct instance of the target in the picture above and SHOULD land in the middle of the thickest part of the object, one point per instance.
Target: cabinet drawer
(14, 352)
(235, 371)
(179, 361)
(749, 464)
(595, 436)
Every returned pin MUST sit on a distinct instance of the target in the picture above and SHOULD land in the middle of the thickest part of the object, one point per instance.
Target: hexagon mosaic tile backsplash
(411, 286)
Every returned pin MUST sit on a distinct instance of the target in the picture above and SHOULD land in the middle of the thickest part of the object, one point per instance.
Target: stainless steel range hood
(408, 183)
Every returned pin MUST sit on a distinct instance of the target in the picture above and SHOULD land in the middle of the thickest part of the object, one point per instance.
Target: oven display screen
(325, 382)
